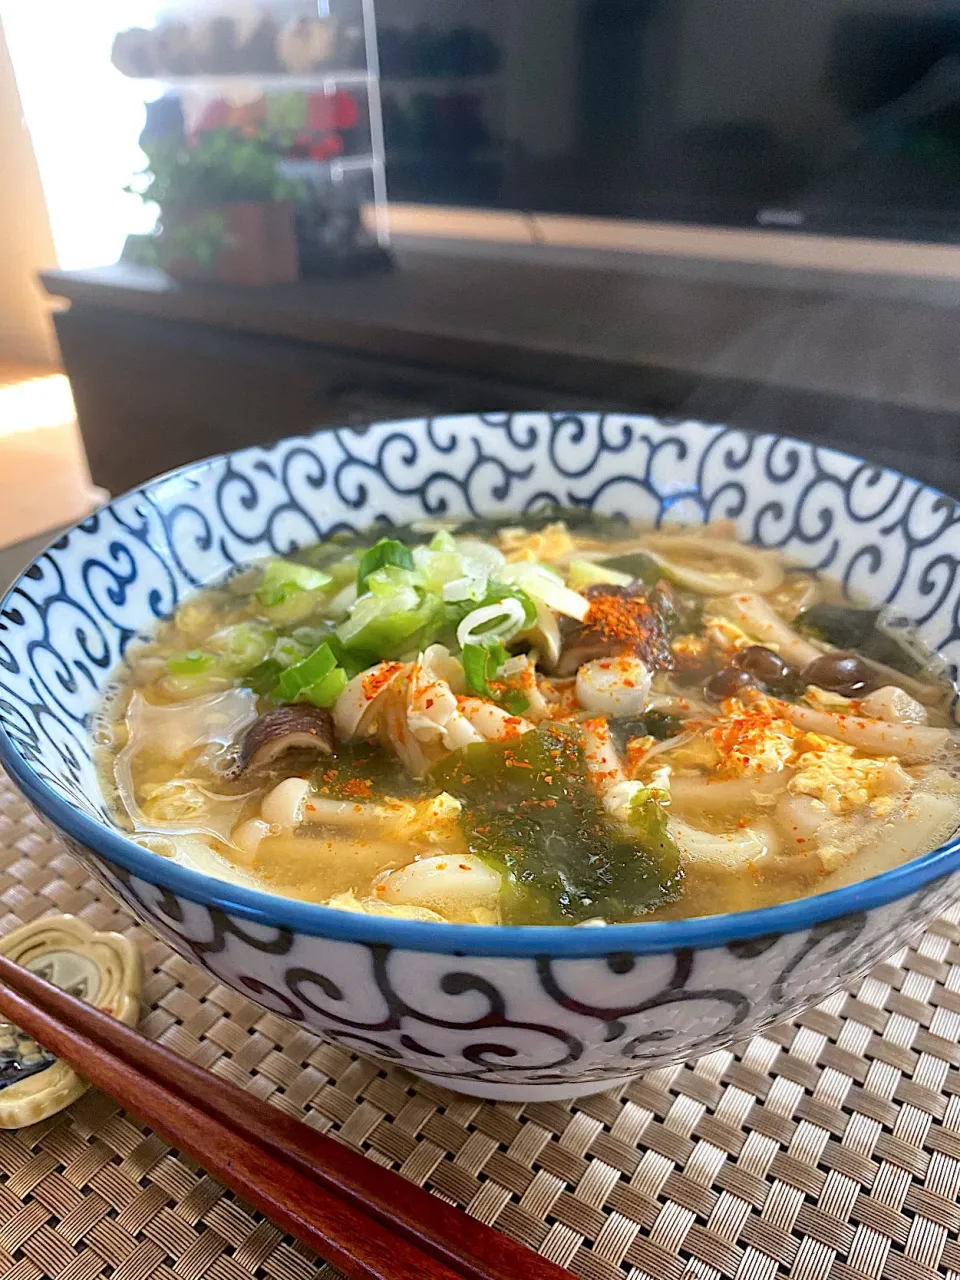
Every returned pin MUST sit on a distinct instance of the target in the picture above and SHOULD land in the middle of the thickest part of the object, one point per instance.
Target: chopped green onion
(391, 579)
(243, 645)
(283, 578)
(390, 634)
(387, 552)
(302, 675)
(326, 691)
(493, 623)
(501, 591)
(287, 651)
(263, 678)
(443, 541)
(582, 574)
(545, 585)
(289, 591)
(192, 663)
(648, 818)
(309, 637)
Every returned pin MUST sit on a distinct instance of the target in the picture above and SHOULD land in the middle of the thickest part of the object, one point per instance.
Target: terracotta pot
(260, 245)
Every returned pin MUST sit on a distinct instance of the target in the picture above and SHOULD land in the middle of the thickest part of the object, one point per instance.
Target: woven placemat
(828, 1149)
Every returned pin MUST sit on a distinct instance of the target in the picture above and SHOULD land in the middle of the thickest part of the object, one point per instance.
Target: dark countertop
(585, 326)
(863, 363)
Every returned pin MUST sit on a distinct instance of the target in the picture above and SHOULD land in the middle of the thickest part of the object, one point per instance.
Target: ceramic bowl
(511, 1013)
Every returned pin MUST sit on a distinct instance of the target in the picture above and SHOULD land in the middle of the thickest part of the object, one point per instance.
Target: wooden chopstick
(357, 1215)
(359, 1246)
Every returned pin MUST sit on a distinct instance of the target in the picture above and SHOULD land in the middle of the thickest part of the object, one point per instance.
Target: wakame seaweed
(860, 630)
(530, 810)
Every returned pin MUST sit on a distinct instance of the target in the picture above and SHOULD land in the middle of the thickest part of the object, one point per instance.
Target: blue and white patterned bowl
(497, 1012)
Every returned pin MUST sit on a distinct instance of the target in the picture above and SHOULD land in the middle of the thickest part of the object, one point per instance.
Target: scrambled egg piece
(436, 821)
(726, 636)
(636, 753)
(548, 544)
(349, 901)
(697, 752)
(752, 740)
(843, 780)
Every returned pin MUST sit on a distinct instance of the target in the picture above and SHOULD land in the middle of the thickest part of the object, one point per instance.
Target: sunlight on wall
(36, 402)
(84, 118)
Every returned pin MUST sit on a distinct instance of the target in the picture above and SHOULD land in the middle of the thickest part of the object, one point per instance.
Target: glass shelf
(279, 83)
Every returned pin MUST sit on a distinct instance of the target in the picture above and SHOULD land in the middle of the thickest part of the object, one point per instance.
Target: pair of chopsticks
(366, 1220)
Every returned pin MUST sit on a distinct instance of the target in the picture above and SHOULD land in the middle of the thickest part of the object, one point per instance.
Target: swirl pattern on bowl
(566, 1013)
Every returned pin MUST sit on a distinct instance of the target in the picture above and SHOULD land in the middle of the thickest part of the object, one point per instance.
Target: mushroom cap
(298, 726)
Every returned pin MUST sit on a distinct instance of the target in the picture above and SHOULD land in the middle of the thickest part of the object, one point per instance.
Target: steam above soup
(579, 723)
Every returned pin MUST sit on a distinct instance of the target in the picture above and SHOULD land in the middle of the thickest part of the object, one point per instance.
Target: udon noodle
(573, 721)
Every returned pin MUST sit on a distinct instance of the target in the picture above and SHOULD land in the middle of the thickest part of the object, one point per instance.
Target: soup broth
(578, 721)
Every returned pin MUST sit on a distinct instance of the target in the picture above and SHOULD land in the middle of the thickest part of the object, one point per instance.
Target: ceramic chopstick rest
(100, 968)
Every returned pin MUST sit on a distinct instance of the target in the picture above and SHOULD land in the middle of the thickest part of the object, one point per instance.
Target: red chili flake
(358, 788)
(464, 866)
(377, 680)
(631, 620)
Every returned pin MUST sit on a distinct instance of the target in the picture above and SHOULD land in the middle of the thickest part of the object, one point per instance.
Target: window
(84, 118)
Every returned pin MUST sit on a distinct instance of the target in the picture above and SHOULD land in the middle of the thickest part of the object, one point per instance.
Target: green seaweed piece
(529, 810)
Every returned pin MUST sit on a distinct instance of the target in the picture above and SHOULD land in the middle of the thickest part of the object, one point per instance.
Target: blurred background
(224, 221)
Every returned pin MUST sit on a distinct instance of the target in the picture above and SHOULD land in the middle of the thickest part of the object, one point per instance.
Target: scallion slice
(312, 669)
(387, 551)
(284, 578)
(492, 623)
(326, 691)
(192, 663)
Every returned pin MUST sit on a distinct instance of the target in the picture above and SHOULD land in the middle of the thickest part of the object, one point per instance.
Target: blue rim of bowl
(312, 920)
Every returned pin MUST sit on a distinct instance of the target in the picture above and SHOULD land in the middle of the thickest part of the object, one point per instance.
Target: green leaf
(481, 666)
(474, 658)
(386, 552)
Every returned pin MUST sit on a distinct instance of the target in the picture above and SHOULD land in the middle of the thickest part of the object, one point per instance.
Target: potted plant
(226, 213)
